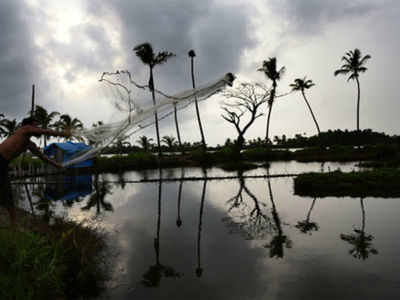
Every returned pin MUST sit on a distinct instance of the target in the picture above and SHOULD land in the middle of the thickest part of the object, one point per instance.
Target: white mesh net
(103, 135)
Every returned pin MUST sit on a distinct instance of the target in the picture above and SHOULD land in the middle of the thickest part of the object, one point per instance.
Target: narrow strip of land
(191, 178)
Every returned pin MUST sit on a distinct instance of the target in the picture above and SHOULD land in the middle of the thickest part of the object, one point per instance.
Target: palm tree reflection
(97, 198)
(153, 275)
(306, 226)
(360, 240)
(121, 179)
(279, 240)
(179, 219)
(199, 269)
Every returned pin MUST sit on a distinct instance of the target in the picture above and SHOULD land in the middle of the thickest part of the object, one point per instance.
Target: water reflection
(97, 199)
(199, 269)
(179, 219)
(248, 219)
(152, 277)
(254, 221)
(307, 226)
(170, 237)
(279, 239)
(360, 241)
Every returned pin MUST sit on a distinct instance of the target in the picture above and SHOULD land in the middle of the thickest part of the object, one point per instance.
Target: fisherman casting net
(138, 118)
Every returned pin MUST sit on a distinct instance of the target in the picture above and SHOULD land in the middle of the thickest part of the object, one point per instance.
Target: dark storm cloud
(217, 32)
(309, 17)
(89, 50)
(17, 59)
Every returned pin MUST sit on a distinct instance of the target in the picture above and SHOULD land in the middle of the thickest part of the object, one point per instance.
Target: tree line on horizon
(247, 101)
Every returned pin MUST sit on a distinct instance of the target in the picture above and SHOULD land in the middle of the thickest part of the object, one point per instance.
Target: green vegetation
(376, 183)
(61, 261)
(368, 156)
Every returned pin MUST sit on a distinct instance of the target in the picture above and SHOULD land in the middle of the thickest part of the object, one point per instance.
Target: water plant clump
(375, 183)
(62, 261)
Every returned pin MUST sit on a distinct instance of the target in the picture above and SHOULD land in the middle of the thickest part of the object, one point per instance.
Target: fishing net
(101, 136)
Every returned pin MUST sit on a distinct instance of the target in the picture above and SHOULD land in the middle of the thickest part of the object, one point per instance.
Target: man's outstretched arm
(32, 147)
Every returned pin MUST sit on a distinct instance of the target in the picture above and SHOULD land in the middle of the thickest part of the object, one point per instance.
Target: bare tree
(247, 97)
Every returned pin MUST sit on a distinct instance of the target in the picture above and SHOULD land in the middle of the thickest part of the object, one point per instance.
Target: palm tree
(354, 64)
(144, 142)
(270, 70)
(169, 141)
(121, 143)
(2, 120)
(67, 123)
(148, 57)
(44, 119)
(8, 126)
(192, 54)
(302, 84)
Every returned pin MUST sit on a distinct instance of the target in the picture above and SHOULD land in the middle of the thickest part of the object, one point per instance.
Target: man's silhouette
(12, 147)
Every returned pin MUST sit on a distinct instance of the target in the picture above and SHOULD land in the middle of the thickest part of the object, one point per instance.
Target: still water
(238, 238)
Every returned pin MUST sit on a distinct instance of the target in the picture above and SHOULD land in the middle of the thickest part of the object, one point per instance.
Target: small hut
(62, 152)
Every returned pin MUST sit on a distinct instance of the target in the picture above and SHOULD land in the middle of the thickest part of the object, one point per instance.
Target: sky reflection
(235, 241)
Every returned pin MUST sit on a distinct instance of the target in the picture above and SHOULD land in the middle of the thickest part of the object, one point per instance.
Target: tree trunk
(358, 104)
(312, 114)
(268, 120)
(203, 141)
(270, 103)
(151, 85)
(177, 129)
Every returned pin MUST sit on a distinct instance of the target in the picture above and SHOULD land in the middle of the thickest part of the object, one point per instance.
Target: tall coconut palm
(67, 123)
(148, 57)
(354, 64)
(192, 55)
(271, 71)
(302, 84)
(45, 119)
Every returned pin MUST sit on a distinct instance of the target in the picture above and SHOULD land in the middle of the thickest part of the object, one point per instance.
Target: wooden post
(33, 100)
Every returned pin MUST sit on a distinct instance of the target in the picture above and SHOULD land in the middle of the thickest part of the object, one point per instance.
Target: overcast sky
(64, 46)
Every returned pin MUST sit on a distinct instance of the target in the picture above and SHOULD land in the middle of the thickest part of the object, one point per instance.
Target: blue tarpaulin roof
(69, 149)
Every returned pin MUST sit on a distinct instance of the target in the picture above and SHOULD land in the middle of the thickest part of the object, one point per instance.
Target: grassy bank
(61, 261)
(375, 183)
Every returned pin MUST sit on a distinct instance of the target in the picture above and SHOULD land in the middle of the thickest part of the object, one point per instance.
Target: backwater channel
(237, 238)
